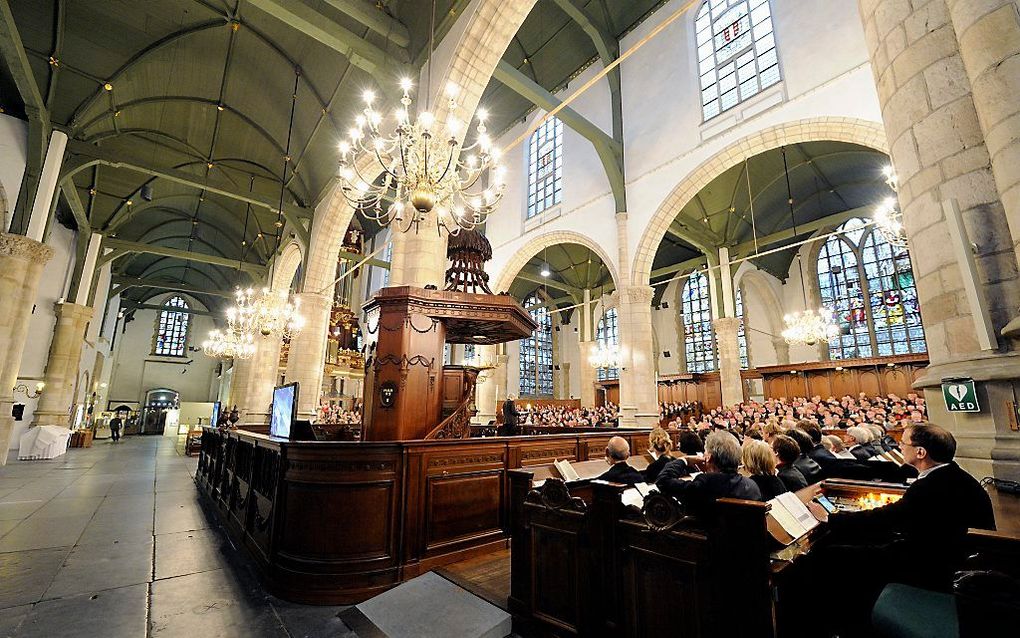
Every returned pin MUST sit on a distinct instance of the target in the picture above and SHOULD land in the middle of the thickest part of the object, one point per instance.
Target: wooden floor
(487, 577)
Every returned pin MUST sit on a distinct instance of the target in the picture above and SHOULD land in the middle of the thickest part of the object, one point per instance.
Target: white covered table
(43, 442)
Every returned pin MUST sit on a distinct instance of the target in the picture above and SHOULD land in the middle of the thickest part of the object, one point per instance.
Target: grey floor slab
(19, 510)
(214, 603)
(37, 533)
(95, 568)
(113, 613)
(27, 575)
(182, 553)
(11, 619)
(311, 621)
(61, 506)
(6, 526)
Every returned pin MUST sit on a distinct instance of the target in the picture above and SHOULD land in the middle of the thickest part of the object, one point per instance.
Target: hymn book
(566, 471)
(636, 495)
(789, 518)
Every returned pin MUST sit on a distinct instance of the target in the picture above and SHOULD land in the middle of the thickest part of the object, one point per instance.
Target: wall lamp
(24, 388)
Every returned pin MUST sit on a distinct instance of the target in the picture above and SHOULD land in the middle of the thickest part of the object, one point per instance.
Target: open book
(566, 471)
(636, 495)
(794, 519)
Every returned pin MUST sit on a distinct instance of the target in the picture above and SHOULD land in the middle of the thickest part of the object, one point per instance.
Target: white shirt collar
(930, 470)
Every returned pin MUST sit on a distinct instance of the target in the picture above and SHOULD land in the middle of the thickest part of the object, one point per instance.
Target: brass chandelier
(423, 166)
(888, 218)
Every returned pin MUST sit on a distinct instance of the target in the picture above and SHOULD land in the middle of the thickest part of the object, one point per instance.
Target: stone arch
(524, 254)
(834, 129)
(287, 263)
(757, 282)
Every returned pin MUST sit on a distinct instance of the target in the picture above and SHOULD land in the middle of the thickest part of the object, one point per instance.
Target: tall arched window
(388, 257)
(545, 167)
(741, 335)
(536, 353)
(607, 334)
(869, 285)
(697, 311)
(736, 52)
(172, 329)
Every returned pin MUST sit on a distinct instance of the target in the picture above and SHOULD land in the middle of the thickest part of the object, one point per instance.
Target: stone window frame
(708, 67)
(158, 328)
(856, 249)
(533, 206)
(540, 342)
(701, 330)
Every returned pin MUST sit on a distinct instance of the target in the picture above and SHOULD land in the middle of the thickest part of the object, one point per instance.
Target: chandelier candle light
(605, 357)
(888, 218)
(421, 171)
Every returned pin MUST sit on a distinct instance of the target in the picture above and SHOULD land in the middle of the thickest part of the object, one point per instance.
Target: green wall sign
(960, 395)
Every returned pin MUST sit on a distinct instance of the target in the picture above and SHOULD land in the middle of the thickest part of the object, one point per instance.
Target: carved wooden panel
(460, 506)
(647, 575)
(556, 577)
(345, 523)
(868, 382)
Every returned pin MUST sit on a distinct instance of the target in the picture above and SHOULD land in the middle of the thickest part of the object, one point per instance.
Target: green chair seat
(902, 611)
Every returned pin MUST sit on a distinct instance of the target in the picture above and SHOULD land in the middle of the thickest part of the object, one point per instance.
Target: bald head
(617, 449)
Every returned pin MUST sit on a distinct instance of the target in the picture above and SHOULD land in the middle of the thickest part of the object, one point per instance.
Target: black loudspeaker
(557, 328)
(18, 411)
(556, 367)
(664, 305)
(665, 353)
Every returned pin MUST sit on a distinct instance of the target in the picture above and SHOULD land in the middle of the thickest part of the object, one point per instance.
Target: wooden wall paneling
(818, 383)
(868, 382)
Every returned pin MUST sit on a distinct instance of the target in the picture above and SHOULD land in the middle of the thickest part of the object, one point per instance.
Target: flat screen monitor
(215, 414)
(285, 399)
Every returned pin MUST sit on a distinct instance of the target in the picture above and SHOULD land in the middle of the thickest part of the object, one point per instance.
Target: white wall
(136, 370)
(13, 153)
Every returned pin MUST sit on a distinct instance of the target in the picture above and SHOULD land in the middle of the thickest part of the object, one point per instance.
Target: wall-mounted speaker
(664, 305)
(665, 353)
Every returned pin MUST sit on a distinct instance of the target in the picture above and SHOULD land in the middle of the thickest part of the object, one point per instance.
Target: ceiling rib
(373, 17)
(123, 282)
(151, 249)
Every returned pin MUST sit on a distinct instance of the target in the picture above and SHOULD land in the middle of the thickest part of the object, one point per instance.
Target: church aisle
(113, 541)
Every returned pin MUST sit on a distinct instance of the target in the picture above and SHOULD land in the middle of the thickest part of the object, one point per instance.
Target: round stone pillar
(62, 364)
(988, 34)
(940, 154)
(587, 373)
(639, 405)
(419, 258)
(255, 391)
(728, 345)
(487, 388)
(21, 264)
(306, 362)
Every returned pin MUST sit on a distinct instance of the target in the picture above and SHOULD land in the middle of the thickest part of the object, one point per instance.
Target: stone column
(486, 390)
(988, 34)
(239, 375)
(587, 373)
(728, 347)
(255, 396)
(62, 364)
(639, 404)
(782, 350)
(419, 258)
(306, 362)
(21, 264)
(939, 152)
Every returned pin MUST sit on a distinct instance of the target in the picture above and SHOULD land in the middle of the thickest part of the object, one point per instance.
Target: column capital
(22, 247)
(726, 324)
(637, 294)
(72, 310)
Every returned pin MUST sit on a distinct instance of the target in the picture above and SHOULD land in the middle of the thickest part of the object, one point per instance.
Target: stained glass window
(607, 334)
(536, 353)
(869, 285)
(697, 312)
(172, 330)
(736, 52)
(741, 335)
(545, 167)
(469, 352)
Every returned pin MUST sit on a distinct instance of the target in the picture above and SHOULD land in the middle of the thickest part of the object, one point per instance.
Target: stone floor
(112, 541)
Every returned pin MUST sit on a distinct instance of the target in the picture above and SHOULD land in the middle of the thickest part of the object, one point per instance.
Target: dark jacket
(770, 486)
(621, 473)
(861, 453)
(933, 517)
(809, 468)
(509, 426)
(792, 478)
(655, 467)
(820, 455)
(702, 491)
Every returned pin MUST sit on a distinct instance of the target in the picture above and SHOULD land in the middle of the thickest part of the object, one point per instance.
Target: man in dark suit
(509, 427)
(722, 456)
(933, 516)
(617, 453)
(787, 452)
(811, 470)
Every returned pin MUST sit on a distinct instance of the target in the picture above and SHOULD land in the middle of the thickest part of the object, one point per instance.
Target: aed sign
(960, 395)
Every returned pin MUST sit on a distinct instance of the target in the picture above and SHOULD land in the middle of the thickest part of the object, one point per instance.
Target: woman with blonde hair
(659, 446)
(760, 463)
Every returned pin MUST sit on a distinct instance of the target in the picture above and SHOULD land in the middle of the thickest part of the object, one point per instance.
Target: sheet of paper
(800, 511)
(787, 520)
